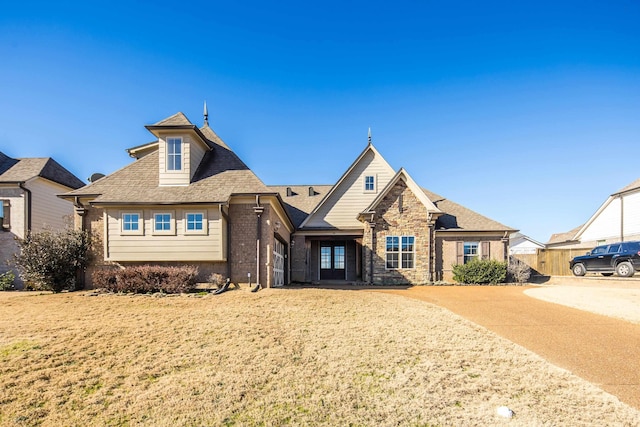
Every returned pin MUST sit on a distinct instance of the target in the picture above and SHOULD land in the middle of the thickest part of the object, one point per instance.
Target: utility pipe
(27, 208)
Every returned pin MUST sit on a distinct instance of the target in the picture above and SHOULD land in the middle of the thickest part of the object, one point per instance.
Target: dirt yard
(278, 357)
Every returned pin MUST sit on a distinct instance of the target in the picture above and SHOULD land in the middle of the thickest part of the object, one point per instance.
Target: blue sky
(526, 113)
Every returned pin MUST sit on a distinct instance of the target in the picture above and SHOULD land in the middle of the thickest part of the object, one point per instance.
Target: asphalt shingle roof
(300, 203)
(24, 169)
(220, 174)
(457, 217)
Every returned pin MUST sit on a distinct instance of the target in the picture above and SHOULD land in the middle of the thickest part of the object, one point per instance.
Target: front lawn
(276, 357)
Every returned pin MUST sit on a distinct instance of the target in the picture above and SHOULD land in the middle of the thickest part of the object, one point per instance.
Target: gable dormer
(181, 147)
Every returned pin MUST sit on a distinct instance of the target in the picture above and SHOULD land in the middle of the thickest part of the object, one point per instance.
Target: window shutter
(460, 253)
(485, 250)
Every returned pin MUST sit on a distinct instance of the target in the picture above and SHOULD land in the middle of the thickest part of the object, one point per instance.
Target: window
(174, 154)
(5, 214)
(470, 251)
(195, 223)
(163, 223)
(400, 252)
(369, 183)
(131, 223)
(614, 249)
(325, 257)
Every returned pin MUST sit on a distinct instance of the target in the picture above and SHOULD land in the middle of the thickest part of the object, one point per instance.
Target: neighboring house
(618, 219)
(188, 199)
(519, 244)
(28, 195)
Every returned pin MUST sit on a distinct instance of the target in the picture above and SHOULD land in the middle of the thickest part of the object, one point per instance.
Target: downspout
(27, 208)
(226, 218)
(258, 210)
(372, 225)
(431, 224)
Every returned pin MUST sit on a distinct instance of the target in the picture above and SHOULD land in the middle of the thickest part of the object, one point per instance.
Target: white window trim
(400, 252)
(172, 222)
(477, 256)
(375, 184)
(139, 231)
(205, 224)
(166, 159)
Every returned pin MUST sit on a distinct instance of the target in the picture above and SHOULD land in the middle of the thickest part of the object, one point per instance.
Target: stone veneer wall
(389, 221)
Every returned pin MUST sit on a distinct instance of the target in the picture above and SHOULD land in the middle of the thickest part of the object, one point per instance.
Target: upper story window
(131, 223)
(163, 223)
(369, 183)
(195, 223)
(174, 154)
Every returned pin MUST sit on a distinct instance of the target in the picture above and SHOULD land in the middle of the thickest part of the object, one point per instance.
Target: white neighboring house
(29, 202)
(521, 244)
(618, 219)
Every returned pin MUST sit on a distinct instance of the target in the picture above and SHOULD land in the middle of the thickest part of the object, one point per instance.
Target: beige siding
(341, 209)
(180, 246)
(181, 177)
(48, 210)
(196, 153)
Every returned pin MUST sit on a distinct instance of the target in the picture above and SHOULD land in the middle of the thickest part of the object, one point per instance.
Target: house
(520, 244)
(617, 219)
(188, 199)
(29, 202)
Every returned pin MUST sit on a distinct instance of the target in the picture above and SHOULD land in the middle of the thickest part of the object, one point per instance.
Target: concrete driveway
(599, 348)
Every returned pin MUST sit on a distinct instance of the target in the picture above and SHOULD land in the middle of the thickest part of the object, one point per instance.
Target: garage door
(278, 263)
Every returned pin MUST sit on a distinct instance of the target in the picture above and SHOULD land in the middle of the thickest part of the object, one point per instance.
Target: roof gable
(415, 189)
(346, 199)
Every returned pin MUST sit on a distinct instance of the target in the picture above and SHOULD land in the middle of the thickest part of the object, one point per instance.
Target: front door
(332, 261)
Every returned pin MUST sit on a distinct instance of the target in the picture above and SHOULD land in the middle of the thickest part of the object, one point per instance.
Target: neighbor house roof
(458, 218)
(300, 203)
(24, 169)
(635, 185)
(220, 174)
(567, 236)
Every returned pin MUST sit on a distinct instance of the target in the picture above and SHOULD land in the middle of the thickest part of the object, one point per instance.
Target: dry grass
(298, 357)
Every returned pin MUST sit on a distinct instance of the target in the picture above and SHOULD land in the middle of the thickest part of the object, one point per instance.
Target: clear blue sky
(528, 114)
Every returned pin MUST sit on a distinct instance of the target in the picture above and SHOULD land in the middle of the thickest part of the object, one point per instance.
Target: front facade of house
(188, 199)
(29, 202)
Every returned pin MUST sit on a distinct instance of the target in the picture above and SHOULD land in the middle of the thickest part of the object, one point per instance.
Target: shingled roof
(300, 203)
(220, 174)
(24, 169)
(457, 217)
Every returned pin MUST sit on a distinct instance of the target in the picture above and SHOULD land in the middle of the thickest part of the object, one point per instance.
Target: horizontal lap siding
(178, 247)
(48, 210)
(349, 199)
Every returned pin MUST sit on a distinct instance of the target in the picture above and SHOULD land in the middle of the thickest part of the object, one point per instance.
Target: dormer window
(174, 154)
(369, 183)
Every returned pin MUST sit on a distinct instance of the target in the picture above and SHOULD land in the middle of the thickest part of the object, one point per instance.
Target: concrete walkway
(600, 349)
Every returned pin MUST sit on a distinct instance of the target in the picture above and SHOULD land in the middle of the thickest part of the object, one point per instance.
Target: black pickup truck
(622, 258)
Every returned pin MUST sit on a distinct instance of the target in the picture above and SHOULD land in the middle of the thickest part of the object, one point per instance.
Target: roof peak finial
(369, 135)
(206, 114)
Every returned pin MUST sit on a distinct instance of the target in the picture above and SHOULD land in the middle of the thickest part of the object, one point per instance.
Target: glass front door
(332, 261)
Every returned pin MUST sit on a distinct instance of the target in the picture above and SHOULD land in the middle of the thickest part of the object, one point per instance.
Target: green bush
(6, 281)
(146, 278)
(480, 272)
(50, 260)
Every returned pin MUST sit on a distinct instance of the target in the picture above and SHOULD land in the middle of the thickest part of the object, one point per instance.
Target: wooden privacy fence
(551, 262)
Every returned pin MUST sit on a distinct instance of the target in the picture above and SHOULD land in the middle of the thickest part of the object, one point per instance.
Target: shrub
(50, 260)
(6, 281)
(146, 278)
(480, 272)
(518, 271)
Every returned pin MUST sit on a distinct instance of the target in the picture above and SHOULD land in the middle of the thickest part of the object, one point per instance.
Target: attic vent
(312, 192)
(289, 192)
(400, 208)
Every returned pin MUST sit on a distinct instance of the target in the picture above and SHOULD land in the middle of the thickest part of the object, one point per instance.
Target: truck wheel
(624, 269)
(578, 270)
